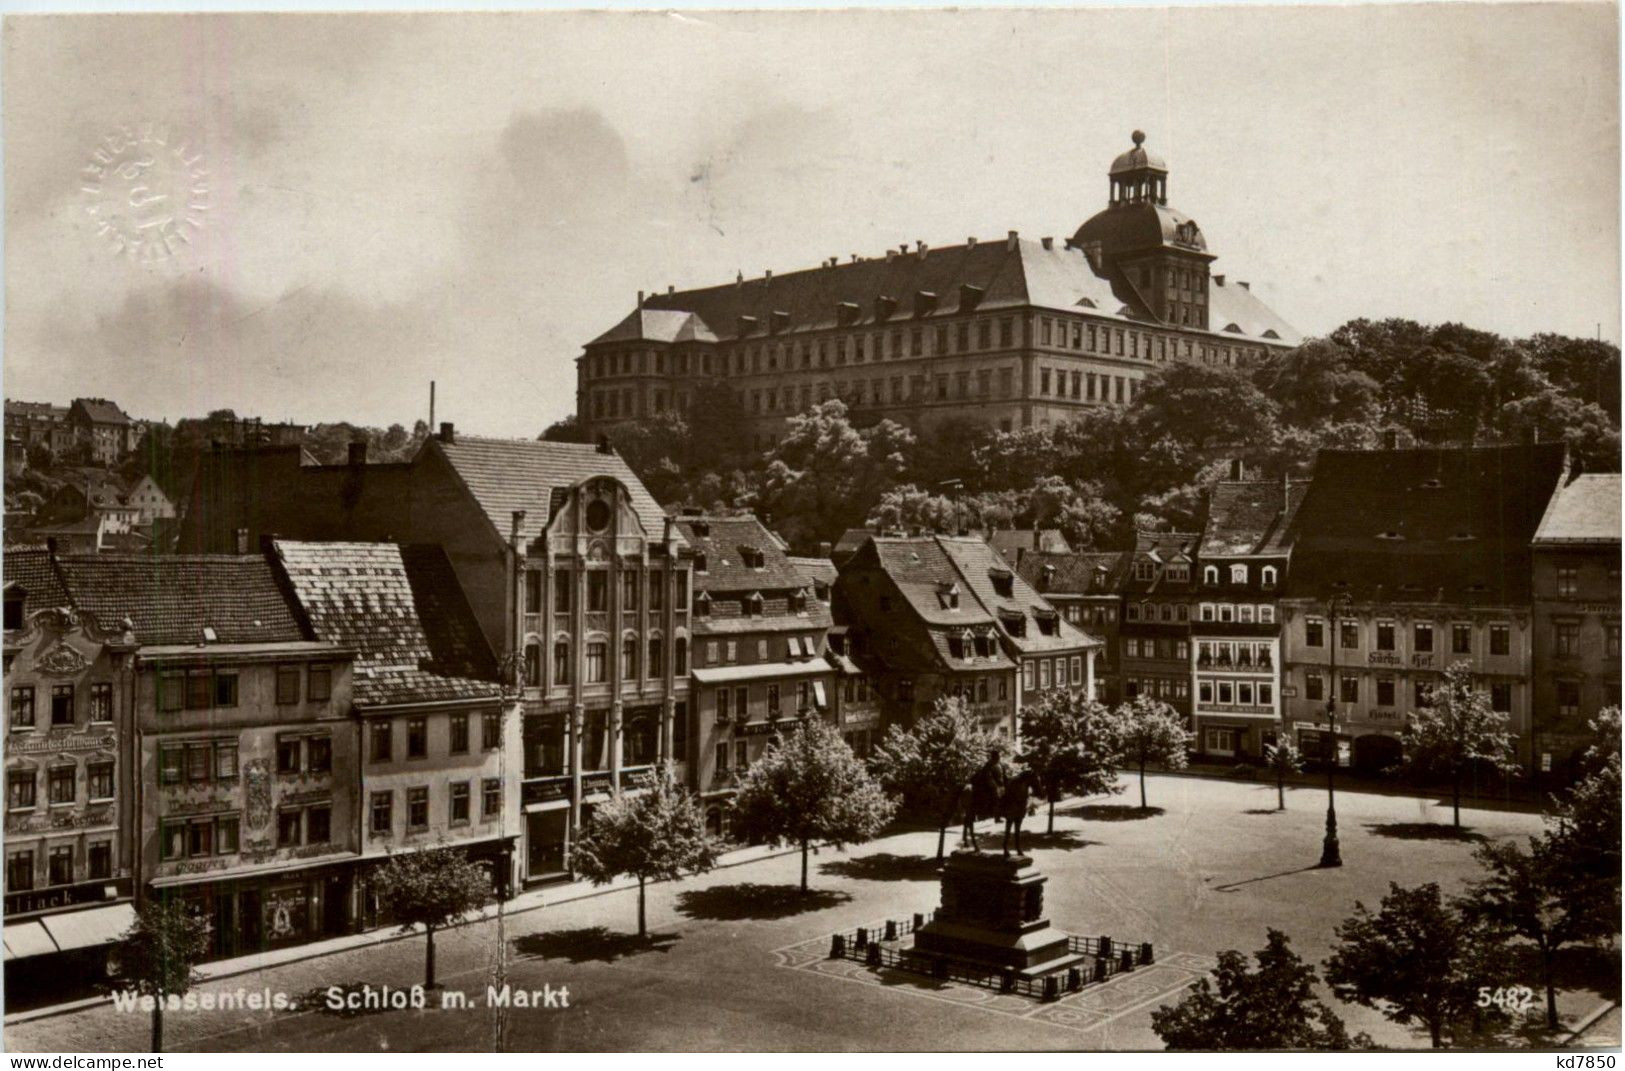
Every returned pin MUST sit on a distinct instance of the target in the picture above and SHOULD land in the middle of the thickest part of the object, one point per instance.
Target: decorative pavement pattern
(1088, 1009)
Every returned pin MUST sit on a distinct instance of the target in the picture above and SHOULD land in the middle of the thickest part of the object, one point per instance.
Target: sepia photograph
(1040, 529)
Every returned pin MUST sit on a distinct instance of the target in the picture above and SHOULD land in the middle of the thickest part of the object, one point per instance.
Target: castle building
(1019, 332)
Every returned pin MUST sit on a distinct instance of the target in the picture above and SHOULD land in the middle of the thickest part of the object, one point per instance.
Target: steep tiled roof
(1162, 548)
(172, 598)
(924, 573)
(509, 474)
(1076, 573)
(1437, 524)
(100, 411)
(1585, 511)
(32, 569)
(1011, 542)
(1234, 310)
(1250, 517)
(815, 570)
(977, 564)
(402, 610)
(724, 541)
(948, 280)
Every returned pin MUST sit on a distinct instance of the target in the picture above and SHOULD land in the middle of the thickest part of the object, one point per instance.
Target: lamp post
(1331, 853)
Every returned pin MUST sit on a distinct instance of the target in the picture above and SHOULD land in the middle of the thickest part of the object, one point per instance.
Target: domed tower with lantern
(1154, 256)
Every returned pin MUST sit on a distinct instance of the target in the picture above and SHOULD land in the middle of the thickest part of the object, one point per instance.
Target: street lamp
(1330, 852)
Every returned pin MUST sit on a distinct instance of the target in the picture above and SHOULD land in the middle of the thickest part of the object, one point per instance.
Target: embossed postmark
(146, 190)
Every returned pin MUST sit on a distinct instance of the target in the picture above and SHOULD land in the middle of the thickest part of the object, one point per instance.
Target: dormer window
(14, 609)
(1267, 576)
(1003, 582)
(1238, 574)
(967, 642)
(699, 562)
(1145, 569)
(950, 597)
(798, 601)
(753, 604)
(1210, 575)
(702, 605)
(1392, 537)
(1179, 571)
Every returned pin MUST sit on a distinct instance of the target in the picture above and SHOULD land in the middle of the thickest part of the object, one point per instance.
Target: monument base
(992, 917)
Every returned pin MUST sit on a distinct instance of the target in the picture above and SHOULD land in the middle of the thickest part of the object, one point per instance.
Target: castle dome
(1138, 159)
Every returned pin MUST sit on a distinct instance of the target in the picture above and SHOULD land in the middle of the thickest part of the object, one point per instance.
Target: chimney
(640, 299)
(1010, 241)
(670, 526)
(1048, 243)
(767, 276)
(970, 243)
(242, 541)
(1218, 280)
(1238, 470)
(921, 249)
(825, 550)
(1286, 492)
(1037, 538)
(739, 279)
(604, 445)
(448, 432)
(358, 453)
(891, 254)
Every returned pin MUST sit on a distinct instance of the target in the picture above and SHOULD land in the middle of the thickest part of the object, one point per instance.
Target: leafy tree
(1152, 733)
(1201, 407)
(908, 507)
(1550, 415)
(433, 887)
(929, 764)
(1316, 384)
(1535, 895)
(1420, 959)
(658, 835)
(1273, 1007)
(1071, 743)
(1586, 819)
(158, 953)
(1284, 758)
(824, 475)
(567, 430)
(809, 788)
(1457, 728)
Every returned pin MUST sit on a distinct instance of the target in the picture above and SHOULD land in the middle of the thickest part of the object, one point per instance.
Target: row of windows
(735, 702)
(1349, 690)
(1151, 611)
(596, 666)
(1566, 636)
(726, 652)
(1384, 636)
(1088, 386)
(62, 785)
(1159, 687)
(381, 806)
(1244, 613)
(100, 707)
(1236, 693)
(1051, 672)
(1147, 647)
(60, 868)
(381, 736)
(217, 835)
(1234, 654)
(598, 590)
(752, 605)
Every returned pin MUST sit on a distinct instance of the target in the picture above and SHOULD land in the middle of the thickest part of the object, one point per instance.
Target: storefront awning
(86, 929)
(547, 805)
(278, 867)
(24, 939)
(760, 671)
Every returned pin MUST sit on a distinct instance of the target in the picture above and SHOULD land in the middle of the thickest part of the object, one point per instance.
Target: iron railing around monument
(878, 947)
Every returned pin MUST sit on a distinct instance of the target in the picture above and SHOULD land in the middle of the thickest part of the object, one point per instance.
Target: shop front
(269, 910)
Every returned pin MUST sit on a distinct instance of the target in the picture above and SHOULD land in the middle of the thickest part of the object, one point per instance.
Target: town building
(1235, 642)
(245, 751)
(936, 616)
(149, 502)
(1015, 332)
(1011, 543)
(102, 424)
(1086, 587)
(438, 754)
(69, 879)
(39, 423)
(857, 688)
(759, 643)
(1424, 555)
(578, 580)
(1159, 592)
(1576, 590)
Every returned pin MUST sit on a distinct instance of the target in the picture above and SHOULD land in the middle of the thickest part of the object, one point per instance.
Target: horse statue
(994, 794)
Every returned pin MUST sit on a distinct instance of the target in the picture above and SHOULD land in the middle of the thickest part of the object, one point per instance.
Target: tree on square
(1273, 1007)
(1072, 743)
(434, 887)
(930, 764)
(809, 788)
(658, 835)
(1455, 729)
(1282, 757)
(1420, 959)
(158, 953)
(1152, 733)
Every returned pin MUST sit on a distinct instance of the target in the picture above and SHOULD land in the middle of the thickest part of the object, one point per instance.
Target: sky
(378, 201)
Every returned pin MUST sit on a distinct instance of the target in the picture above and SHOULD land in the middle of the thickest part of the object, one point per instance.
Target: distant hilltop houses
(1017, 332)
(73, 479)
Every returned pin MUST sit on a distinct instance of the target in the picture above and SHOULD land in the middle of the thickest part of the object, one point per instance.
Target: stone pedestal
(992, 915)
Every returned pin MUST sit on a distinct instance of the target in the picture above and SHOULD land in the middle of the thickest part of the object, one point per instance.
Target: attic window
(753, 605)
(209, 634)
(1087, 303)
(821, 591)
(969, 296)
(798, 601)
(701, 528)
(1390, 536)
(699, 562)
(1271, 333)
(702, 604)
(950, 597)
(1014, 623)
(1003, 582)
(967, 642)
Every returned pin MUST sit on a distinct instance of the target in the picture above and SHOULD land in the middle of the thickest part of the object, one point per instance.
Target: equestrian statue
(993, 793)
